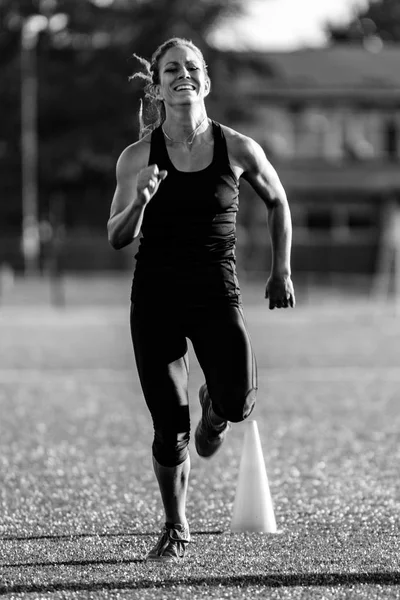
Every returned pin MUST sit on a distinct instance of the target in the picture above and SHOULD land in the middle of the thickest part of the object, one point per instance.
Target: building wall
(334, 229)
(333, 133)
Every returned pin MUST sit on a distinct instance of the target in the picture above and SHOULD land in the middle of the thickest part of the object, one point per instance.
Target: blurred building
(329, 120)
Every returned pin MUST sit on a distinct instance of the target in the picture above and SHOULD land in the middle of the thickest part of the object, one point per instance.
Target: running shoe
(172, 544)
(207, 437)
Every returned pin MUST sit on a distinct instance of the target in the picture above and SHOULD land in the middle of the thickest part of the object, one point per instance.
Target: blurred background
(317, 84)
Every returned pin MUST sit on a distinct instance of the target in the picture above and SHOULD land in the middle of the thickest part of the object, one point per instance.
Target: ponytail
(151, 109)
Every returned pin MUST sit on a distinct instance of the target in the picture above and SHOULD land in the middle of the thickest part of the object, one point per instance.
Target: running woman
(179, 186)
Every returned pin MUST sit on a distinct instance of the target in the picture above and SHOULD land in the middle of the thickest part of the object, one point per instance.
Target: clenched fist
(148, 181)
(279, 290)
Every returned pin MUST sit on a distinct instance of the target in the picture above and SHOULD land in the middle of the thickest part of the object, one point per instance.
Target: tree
(87, 107)
(380, 20)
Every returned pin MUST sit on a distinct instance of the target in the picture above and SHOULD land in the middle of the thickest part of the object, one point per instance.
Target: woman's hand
(280, 292)
(148, 181)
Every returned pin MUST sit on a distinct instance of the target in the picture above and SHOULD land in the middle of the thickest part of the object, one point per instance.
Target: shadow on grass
(76, 536)
(71, 563)
(269, 581)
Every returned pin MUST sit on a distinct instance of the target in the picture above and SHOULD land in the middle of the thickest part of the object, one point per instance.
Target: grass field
(79, 504)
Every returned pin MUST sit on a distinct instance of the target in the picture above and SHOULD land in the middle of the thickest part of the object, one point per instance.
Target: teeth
(184, 87)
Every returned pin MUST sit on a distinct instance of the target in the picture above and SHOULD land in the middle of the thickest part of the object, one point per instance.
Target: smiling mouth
(184, 87)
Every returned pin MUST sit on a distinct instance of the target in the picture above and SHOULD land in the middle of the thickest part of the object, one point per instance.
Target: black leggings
(223, 348)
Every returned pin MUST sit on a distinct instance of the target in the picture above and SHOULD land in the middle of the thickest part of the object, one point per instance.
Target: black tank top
(189, 229)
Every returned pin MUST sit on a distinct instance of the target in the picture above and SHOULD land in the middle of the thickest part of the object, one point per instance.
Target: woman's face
(182, 77)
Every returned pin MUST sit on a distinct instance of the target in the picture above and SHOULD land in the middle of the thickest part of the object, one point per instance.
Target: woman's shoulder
(136, 155)
(242, 149)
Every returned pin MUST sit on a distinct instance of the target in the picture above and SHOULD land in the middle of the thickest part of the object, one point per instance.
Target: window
(319, 219)
(360, 220)
(334, 222)
(391, 140)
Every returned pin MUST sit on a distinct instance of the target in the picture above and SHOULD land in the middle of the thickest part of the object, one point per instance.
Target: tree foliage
(87, 106)
(380, 20)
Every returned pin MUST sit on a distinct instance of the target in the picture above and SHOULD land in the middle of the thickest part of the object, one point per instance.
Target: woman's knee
(234, 405)
(170, 449)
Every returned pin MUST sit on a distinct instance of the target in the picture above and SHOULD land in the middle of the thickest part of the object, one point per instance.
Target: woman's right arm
(136, 185)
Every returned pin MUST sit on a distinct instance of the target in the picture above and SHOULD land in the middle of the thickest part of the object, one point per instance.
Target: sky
(285, 24)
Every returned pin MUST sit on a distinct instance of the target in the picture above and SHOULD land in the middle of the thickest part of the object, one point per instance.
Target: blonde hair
(151, 108)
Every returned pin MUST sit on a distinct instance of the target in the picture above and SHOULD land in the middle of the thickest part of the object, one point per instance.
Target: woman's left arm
(263, 178)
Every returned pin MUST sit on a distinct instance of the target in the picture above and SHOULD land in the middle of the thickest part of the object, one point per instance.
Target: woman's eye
(175, 69)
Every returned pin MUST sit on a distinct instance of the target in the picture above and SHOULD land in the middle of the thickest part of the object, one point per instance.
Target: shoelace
(168, 537)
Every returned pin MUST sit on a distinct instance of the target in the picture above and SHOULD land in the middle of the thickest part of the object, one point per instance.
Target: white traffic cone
(252, 509)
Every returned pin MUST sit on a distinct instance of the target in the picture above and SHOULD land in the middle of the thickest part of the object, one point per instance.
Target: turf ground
(79, 504)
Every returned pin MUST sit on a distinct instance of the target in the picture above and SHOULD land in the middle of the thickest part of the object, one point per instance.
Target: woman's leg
(173, 483)
(161, 358)
(223, 347)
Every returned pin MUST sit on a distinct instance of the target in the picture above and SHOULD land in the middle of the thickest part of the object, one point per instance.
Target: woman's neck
(180, 125)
